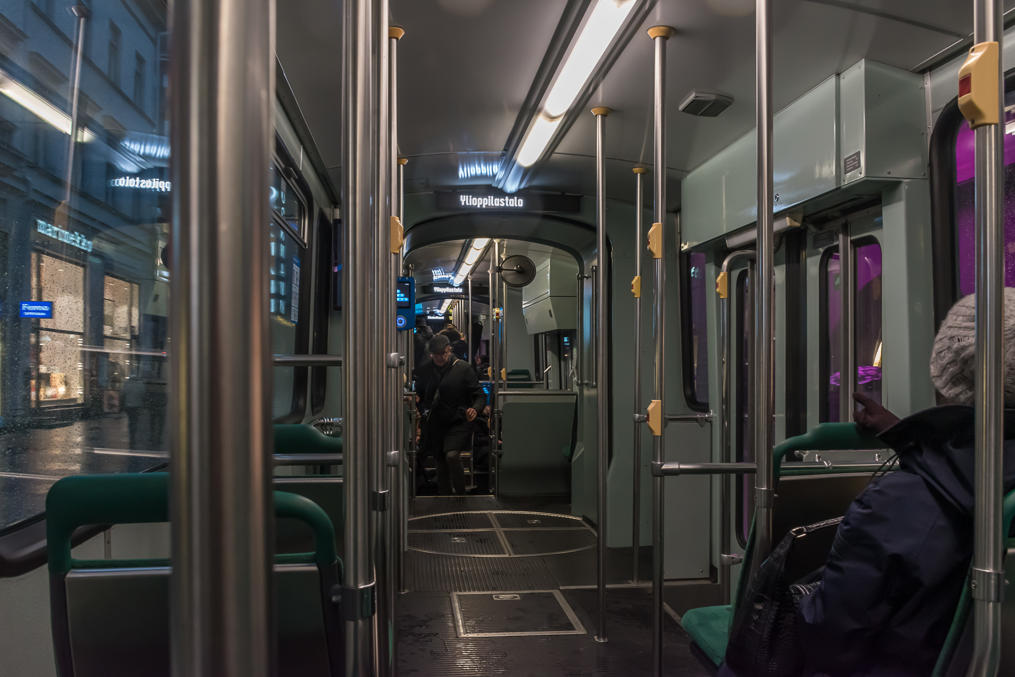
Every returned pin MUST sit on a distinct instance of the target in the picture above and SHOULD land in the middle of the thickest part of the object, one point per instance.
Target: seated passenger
(901, 554)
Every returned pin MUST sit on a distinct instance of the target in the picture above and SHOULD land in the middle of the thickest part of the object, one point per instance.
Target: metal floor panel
(476, 543)
(448, 573)
(451, 521)
(429, 643)
(530, 520)
(550, 541)
(507, 613)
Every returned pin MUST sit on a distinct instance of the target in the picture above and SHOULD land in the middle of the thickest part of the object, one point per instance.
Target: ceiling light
(539, 135)
(40, 107)
(596, 35)
(473, 256)
(480, 243)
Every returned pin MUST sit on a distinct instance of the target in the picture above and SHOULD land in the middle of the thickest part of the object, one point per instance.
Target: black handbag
(763, 636)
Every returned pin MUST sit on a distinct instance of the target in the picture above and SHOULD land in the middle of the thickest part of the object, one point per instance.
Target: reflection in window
(867, 340)
(699, 329)
(84, 245)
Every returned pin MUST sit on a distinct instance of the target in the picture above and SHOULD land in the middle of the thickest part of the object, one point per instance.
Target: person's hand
(486, 411)
(470, 414)
(872, 416)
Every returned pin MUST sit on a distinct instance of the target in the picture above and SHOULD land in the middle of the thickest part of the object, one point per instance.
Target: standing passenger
(452, 399)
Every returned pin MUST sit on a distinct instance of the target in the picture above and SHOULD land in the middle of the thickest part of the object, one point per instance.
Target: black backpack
(763, 636)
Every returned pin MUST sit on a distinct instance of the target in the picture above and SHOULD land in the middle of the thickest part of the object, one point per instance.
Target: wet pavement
(33, 458)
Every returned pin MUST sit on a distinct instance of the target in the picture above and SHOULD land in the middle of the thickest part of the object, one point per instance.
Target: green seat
(300, 438)
(95, 631)
(955, 653)
(709, 626)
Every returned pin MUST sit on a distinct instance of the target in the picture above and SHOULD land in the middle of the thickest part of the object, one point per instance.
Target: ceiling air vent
(705, 104)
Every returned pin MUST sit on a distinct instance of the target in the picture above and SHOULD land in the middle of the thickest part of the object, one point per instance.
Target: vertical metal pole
(469, 328)
(221, 510)
(764, 339)
(604, 442)
(82, 13)
(493, 276)
(987, 578)
(382, 324)
(396, 400)
(847, 324)
(360, 159)
(659, 35)
(726, 310)
(639, 208)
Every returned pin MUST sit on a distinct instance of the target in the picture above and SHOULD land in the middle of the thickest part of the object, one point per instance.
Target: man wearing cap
(900, 557)
(451, 400)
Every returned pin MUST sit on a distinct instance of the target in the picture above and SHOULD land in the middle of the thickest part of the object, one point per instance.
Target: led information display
(495, 200)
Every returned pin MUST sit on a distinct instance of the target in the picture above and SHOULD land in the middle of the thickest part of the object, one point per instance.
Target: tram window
(744, 435)
(695, 332)
(85, 301)
(965, 216)
(867, 338)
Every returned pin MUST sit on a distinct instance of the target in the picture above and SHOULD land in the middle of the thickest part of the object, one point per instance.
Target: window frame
(114, 55)
(687, 335)
(824, 366)
(287, 169)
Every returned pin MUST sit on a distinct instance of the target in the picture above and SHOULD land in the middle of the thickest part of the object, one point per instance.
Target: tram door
(846, 309)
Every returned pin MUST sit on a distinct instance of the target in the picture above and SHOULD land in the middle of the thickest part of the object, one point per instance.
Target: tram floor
(507, 588)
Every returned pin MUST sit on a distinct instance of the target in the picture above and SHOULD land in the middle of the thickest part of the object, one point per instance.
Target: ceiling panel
(465, 67)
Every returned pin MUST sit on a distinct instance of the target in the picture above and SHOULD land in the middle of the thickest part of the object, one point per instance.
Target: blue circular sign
(401, 321)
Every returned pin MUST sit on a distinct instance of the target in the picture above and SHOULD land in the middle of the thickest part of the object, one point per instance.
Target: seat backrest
(957, 651)
(807, 496)
(300, 438)
(112, 615)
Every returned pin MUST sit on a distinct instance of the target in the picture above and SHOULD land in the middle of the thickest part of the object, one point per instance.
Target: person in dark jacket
(452, 400)
(900, 557)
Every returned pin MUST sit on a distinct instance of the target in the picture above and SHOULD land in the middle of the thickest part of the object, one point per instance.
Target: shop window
(113, 65)
(867, 342)
(695, 332)
(58, 371)
(139, 81)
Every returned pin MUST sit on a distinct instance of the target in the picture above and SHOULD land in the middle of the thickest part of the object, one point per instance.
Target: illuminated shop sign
(492, 199)
(37, 309)
(441, 275)
(154, 185)
(72, 238)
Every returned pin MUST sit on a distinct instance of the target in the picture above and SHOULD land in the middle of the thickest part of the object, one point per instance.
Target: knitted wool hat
(953, 358)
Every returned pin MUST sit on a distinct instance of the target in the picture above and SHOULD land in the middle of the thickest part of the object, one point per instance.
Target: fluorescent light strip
(40, 107)
(596, 35)
(539, 135)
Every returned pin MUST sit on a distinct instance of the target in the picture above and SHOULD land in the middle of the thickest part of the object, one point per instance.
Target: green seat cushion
(300, 438)
(709, 628)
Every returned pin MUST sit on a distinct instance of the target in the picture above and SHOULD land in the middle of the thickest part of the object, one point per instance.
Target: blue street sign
(38, 309)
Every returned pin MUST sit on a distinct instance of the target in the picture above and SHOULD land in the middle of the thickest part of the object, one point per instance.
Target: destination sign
(495, 200)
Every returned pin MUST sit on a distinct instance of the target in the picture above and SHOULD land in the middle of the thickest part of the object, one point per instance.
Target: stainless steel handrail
(726, 310)
(221, 517)
(307, 459)
(987, 575)
(659, 36)
(309, 360)
(603, 441)
(639, 209)
(361, 153)
(764, 319)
